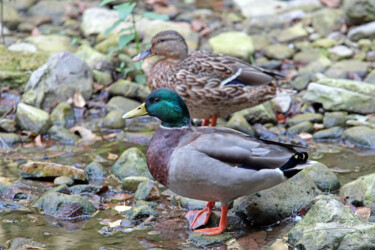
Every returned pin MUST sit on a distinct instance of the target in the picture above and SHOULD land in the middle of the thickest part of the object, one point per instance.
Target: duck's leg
(200, 217)
(221, 227)
(206, 122)
(213, 120)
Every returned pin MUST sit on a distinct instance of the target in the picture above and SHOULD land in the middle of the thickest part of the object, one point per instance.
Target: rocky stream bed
(73, 172)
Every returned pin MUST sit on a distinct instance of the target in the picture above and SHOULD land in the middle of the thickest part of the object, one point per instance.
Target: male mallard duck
(212, 85)
(209, 163)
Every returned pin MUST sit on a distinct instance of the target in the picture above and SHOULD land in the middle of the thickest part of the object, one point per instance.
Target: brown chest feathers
(162, 145)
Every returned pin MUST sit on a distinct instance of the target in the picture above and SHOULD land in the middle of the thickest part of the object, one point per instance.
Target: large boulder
(59, 79)
(331, 225)
(359, 11)
(363, 31)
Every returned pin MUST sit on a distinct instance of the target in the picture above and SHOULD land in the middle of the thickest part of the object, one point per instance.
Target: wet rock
(360, 136)
(363, 31)
(9, 138)
(42, 90)
(279, 51)
(147, 190)
(121, 104)
(235, 223)
(131, 162)
(301, 81)
(23, 243)
(325, 226)
(342, 68)
(311, 117)
(91, 56)
(63, 114)
(95, 172)
(129, 89)
(359, 11)
(238, 122)
(7, 207)
(329, 133)
(64, 206)
(339, 98)
(7, 125)
(253, 8)
(48, 169)
(13, 79)
(59, 133)
(131, 183)
(305, 126)
(32, 119)
(51, 43)
(322, 176)
(222, 44)
(141, 211)
(274, 204)
(360, 190)
(293, 33)
(52, 8)
(85, 189)
(262, 113)
(63, 180)
(209, 241)
(102, 78)
(332, 119)
(5, 185)
(11, 17)
(340, 52)
(327, 20)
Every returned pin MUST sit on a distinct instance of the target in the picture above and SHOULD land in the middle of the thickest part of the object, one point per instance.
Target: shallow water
(170, 229)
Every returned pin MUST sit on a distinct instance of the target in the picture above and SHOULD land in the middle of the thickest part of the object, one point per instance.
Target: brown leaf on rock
(331, 3)
(78, 100)
(39, 141)
(70, 211)
(85, 133)
(364, 212)
(112, 156)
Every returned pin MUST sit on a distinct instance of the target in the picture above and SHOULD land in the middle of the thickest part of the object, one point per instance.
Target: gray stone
(140, 212)
(11, 17)
(322, 176)
(148, 191)
(342, 68)
(63, 180)
(59, 133)
(23, 243)
(129, 89)
(52, 8)
(360, 136)
(327, 20)
(279, 51)
(51, 43)
(114, 120)
(305, 126)
(95, 172)
(310, 55)
(340, 52)
(359, 11)
(7, 125)
(361, 190)
(49, 169)
(332, 119)
(316, 66)
(102, 78)
(64, 206)
(311, 117)
(331, 225)
(42, 89)
(63, 114)
(121, 104)
(363, 31)
(32, 119)
(205, 241)
(274, 204)
(300, 82)
(131, 162)
(238, 122)
(293, 33)
(259, 25)
(329, 133)
(340, 99)
(261, 113)
(9, 138)
(131, 183)
(223, 44)
(91, 56)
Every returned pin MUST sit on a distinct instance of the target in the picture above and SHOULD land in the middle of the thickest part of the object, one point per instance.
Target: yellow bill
(141, 110)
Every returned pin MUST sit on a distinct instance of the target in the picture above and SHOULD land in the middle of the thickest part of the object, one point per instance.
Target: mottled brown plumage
(210, 84)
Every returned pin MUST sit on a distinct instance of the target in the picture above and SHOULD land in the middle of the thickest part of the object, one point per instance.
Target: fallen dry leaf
(121, 209)
(39, 141)
(112, 156)
(305, 136)
(364, 212)
(85, 133)
(78, 100)
(331, 3)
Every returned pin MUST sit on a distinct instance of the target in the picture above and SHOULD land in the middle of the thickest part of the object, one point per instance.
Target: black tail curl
(297, 159)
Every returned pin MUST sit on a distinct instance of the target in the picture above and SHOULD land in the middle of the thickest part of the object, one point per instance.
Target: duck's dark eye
(162, 40)
(155, 100)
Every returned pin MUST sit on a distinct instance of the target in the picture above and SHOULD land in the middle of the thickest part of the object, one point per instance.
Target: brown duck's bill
(143, 55)
(141, 110)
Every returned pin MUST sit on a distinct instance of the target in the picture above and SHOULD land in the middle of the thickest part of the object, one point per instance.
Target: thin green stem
(2, 21)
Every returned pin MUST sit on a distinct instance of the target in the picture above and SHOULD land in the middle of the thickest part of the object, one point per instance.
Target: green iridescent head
(166, 105)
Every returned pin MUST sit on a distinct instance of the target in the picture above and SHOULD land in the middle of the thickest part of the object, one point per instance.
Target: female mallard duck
(212, 85)
(210, 164)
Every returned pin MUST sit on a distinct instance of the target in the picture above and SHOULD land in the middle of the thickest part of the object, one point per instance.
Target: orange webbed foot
(222, 226)
(200, 217)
